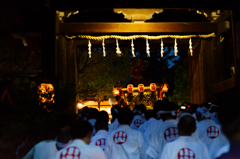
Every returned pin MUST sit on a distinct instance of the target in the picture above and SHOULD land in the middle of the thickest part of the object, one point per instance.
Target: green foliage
(182, 89)
(99, 74)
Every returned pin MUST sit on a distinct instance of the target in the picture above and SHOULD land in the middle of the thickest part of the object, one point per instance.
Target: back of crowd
(161, 133)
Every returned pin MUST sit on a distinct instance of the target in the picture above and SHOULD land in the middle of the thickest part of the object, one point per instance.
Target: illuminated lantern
(45, 91)
(153, 87)
(141, 88)
(130, 88)
(116, 92)
(165, 88)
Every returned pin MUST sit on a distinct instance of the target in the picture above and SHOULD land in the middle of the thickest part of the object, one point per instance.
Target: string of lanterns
(119, 53)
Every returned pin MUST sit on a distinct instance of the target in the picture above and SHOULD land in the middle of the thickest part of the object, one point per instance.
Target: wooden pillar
(49, 42)
(72, 71)
(62, 58)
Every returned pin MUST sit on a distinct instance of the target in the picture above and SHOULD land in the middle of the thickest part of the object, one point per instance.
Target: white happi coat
(185, 147)
(210, 134)
(43, 150)
(125, 143)
(152, 124)
(78, 149)
(100, 139)
(137, 122)
(166, 132)
(113, 126)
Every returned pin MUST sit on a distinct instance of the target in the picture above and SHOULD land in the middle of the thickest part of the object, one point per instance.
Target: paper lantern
(153, 87)
(141, 88)
(130, 88)
(115, 92)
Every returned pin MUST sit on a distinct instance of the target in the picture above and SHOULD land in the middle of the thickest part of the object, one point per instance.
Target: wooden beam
(224, 27)
(167, 27)
(224, 85)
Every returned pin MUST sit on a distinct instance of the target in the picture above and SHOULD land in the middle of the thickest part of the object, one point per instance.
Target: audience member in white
(125, 142)
(47, 149)
(137, 120)
(99, 139)
(210, 134)
(166, 132)
(80, 149)
(185, 147)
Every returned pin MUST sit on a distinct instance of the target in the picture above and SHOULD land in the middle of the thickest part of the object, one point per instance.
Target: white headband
(173, 112)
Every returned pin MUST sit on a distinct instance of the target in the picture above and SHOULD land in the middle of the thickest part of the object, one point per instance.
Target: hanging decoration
(190, 46)
(89, 48)
(118, 49)
(119, 53)
(130, 88)
(103, 45)
(133, 53)
(99, 38)
(175, 48)
(153, 87)
(147, 48)
(141, 87)
(162, 48)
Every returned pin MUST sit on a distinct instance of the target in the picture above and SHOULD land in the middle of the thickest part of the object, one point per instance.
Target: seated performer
(185, 146)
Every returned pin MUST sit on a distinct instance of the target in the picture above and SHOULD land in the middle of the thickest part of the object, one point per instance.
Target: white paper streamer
(147, 48)
(89, 48)
(118, 50)
(190, 46)
(103, 45)
(133, 53)
(162, 48)
(175, 48)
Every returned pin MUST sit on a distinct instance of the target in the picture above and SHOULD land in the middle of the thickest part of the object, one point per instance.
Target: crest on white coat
(120, 137)
(212, 132)
(101, 143)
(170, 134)
(70, 153)
(138, 122)
(186, 153)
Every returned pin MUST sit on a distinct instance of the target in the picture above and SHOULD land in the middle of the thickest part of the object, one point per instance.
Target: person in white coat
(80, 149)
(210, 134)
(125, 142)
(101, 134)
(137, 120)
(166, 132)
(114, 121)
(185, 147)
(47, 149)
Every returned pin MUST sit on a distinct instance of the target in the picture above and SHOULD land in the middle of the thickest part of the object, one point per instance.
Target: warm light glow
(80, 106)
(112, 101)
(116, 92)
(165, 88)
(45, 91)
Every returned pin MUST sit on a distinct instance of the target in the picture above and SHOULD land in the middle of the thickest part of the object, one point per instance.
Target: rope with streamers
(99, 38)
